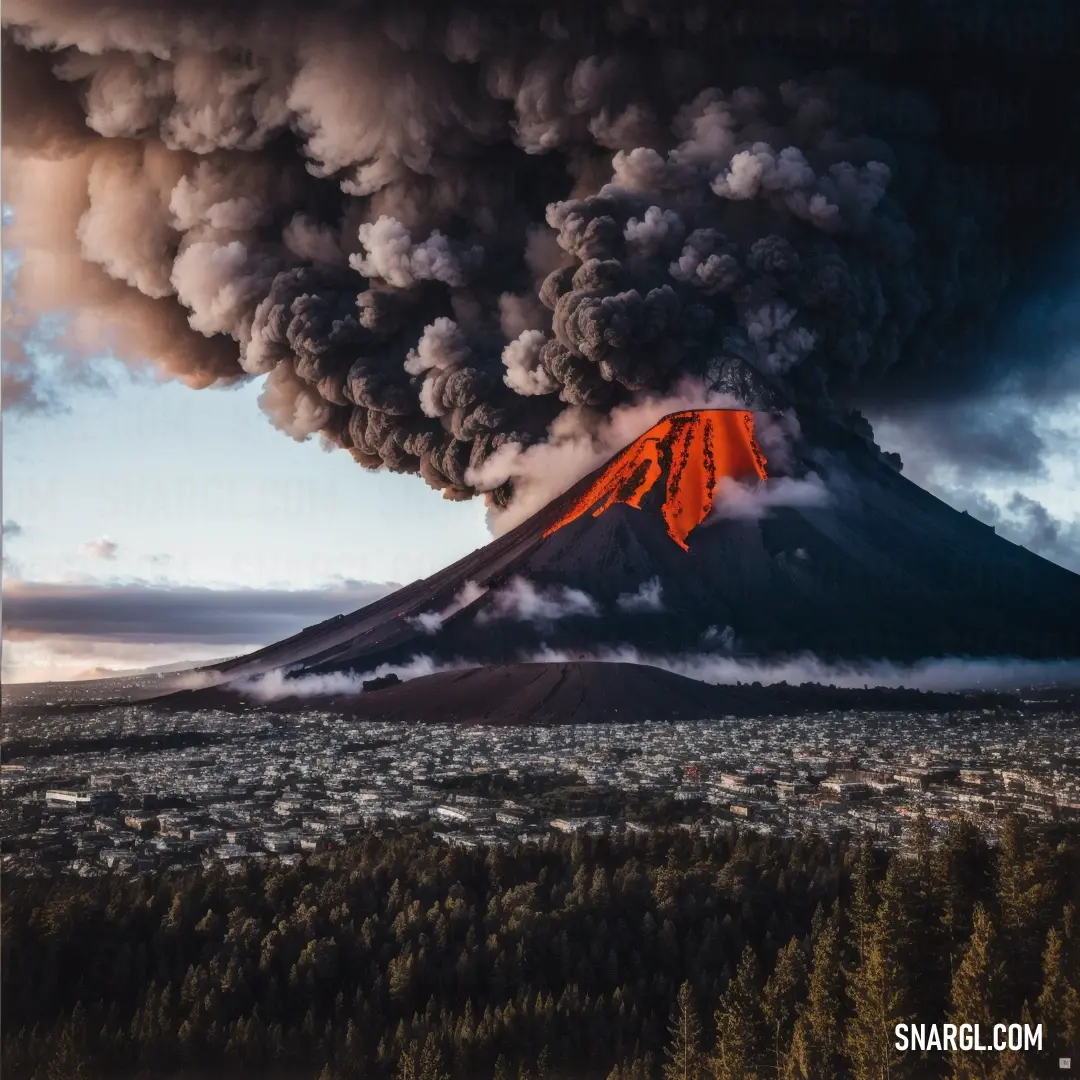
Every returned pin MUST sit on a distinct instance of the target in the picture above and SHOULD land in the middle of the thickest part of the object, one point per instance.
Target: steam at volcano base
(689, 452)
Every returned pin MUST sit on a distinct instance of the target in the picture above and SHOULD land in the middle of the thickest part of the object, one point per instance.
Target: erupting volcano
(830, 551)
(689, 452)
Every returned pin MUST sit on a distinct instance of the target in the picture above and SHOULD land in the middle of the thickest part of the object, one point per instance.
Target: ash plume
(446, 235)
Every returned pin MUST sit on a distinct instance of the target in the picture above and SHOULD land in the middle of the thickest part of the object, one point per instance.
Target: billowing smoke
(447, 235)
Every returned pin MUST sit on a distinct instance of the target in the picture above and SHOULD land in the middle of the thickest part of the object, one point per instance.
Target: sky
(152, 486)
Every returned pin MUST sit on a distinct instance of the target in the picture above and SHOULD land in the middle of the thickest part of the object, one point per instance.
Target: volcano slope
(580, 692)
(831, 552)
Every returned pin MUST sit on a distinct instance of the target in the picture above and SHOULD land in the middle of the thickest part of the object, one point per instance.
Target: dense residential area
(138, 791)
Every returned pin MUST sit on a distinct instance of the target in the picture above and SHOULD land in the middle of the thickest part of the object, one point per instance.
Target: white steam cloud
(275, 685)
(940, 674)
(649, 597)
(432, 621)
(751, 502)
(943, 674)
(524, 602)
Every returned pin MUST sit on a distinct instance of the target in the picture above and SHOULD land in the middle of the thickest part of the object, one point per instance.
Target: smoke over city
(440, 232)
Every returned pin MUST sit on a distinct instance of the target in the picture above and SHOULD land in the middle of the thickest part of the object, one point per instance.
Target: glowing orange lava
(690, 451)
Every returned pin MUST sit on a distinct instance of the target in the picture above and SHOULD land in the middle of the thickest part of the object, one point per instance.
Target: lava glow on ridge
(690, 452)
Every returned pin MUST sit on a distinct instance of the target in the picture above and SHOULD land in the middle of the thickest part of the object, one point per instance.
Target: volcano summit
(689, 539)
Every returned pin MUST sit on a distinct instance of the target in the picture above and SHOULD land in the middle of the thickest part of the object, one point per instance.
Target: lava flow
(690, 451)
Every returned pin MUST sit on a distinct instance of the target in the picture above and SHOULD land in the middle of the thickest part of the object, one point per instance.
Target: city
(140, 791)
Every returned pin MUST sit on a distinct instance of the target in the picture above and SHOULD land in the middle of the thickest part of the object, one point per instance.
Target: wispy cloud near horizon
(59, 630)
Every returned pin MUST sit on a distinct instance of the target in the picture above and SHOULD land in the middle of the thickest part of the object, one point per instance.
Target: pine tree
(431, 1064)
(543, 1064)
(976, 984)
(815, 1042)
(69, 1058)
(878, 992)
(862, 900)
(959, 871)
(685, 1060)
(1015, 1064)
(738, 1024)
(927, 953)
(785, 988)
(406, 1065)
(1059, 1002)
(1023, 892)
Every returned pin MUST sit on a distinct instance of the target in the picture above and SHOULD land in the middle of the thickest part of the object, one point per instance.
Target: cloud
(988, 437)
(60, 659)
(751, 502)
(12, 529)
(1024, 521)
(276, 684)
(648, 597)
(522, 601)
(156, 614)
(724, 640)
(933, 673)
(102, 548)
(432, 621)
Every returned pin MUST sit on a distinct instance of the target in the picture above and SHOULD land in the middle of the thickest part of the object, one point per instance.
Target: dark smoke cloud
(435, 229)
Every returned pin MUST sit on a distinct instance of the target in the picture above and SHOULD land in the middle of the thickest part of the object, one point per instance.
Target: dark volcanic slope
(583, 693)
(571, 693)
(884, 570)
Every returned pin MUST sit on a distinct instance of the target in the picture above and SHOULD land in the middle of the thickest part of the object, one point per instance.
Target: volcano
(690, 539)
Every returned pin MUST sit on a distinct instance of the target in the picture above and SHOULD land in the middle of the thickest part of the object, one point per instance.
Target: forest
(673, 955)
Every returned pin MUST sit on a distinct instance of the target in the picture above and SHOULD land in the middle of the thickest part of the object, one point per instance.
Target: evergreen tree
(431, 1063)
(976, 984)
(960, 867)
(406, 1064)
(738, 1024)
(685, 1060)
(1023, 892)
(1058, 1005)
(1016, 1064)
(878, 992)
(815, 1045)
(785, 988)
(862, 900)
(543, 1064)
